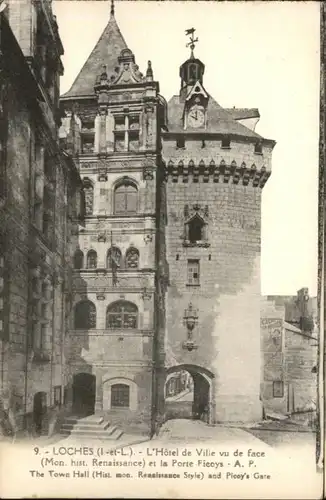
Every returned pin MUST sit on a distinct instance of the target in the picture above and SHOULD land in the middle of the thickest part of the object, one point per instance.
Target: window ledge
(193, 285)
(258, 153)
(125, 408)
(225, 147)
(188, 243)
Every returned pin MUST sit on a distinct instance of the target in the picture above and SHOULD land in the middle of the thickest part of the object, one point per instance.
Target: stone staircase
(91, 427)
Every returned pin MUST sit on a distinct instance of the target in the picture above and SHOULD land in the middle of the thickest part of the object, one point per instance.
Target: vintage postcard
(161, 290)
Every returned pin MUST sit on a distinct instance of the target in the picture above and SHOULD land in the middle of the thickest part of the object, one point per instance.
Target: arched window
(85, 315)
(196, 230)
(125, 198)
(78, 259)
(89, 196)
(114, 257)
(120, 396)
(121, 314)
(92, 259)
(132, 258)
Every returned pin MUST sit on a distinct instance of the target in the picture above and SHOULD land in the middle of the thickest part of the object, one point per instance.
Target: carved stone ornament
(127, 71)
(102, 175)
(148, 173)
(101, 237)
(146, 294)
(148, 238)
(100, 296)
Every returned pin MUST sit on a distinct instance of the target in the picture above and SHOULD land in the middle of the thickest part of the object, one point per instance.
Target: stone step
(86, 425)
(115, 435)
(94, 427)
(84, 428)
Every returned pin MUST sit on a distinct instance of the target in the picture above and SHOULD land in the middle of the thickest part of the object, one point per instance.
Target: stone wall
(228, 296)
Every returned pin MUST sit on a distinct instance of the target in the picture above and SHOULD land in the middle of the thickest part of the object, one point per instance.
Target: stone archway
(84, 392)
(188, 393)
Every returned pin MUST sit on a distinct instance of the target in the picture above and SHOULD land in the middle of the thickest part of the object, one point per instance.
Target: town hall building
(167, 270)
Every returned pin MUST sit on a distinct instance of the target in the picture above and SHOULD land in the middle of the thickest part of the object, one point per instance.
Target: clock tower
(216, 166)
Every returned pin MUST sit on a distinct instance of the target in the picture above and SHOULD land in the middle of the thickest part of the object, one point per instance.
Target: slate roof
(106, 51)
(219, 120)
(243, 113)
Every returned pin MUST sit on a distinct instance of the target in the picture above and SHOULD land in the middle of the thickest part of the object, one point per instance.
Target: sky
(256, 54)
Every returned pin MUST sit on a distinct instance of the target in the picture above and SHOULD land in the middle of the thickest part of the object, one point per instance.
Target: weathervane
(190, 32)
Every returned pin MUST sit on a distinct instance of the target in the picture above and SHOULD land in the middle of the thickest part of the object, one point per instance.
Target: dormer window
(181, 143)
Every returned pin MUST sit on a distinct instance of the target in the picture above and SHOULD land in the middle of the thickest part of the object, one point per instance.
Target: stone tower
(113, 117)
(216, 166)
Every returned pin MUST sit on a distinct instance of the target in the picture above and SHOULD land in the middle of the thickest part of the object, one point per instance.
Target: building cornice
(221, 172)
(206, 134)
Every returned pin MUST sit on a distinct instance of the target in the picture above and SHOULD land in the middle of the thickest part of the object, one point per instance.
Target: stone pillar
(99, 394)
(109, 132)
(101, 310)
(97, 126)
(102, 131)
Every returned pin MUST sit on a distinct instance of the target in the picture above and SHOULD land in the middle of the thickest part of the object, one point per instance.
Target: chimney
(305, 310)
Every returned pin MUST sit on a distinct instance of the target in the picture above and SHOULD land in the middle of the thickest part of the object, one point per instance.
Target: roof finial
(149, 72)
(112, 8)
(190, 32)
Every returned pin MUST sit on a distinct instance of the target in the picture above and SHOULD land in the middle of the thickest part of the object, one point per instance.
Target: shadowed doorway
(84, 391)
(39, 412)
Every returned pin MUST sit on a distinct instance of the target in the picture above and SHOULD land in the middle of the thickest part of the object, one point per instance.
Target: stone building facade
(113, 118)
(39, 191)
(167, 273)
(289, 353)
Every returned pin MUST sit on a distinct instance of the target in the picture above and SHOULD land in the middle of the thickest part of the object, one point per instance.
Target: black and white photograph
(161, 301)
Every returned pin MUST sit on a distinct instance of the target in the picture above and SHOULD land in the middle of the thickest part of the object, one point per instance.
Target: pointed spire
(112, 8)
(106, 51)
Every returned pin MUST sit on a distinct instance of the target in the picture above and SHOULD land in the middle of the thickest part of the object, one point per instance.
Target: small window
(225, 142)
(119, 141)
(278, 389)
(85, 315)
(134, 123)
(125, 198)
(92, 259)
(181, 143)
(78, 259)
(258, 148)
(57, 395)
(196, 230)
(193, 272)
(120, 396)
(121, 315)
(119, 123)
(87, 144)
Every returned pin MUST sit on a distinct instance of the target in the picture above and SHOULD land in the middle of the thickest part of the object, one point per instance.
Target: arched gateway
(188, 392)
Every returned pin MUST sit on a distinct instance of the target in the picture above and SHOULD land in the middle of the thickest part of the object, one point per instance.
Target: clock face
(196, 117)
